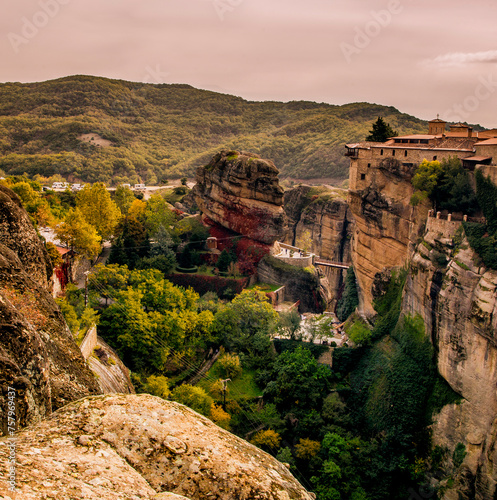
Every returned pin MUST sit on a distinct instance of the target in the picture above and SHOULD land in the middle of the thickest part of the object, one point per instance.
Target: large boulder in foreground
(139, 447)
(240, 191)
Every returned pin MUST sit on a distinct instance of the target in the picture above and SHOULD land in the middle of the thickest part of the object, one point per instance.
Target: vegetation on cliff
(96, 129)
(483, 237)
(447, 184)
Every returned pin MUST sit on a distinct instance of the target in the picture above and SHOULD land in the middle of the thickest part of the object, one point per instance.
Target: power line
(253, 419)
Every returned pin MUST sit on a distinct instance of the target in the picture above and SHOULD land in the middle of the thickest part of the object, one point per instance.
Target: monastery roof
(477, 158)
(487, 142)
(415, 136)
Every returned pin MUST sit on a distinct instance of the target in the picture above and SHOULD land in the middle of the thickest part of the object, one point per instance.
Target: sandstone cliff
(240, 191)
(458, 303)
(141, 447)
(386, 225)
(38, 356)
(325, 215)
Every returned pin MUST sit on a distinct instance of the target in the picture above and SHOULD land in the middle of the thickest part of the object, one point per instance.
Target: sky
(424, 57)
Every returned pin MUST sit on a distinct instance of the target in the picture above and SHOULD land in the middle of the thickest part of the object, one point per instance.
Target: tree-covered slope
(165, 131)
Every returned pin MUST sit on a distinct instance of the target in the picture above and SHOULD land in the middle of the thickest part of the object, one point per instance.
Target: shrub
(194, 397)
(349, 300)
(459, 454)
(359, 333)
(230, 365)
(158, 386)
(220, 417)
(268, 440)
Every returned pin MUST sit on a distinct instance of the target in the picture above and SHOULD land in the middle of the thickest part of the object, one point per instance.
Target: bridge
(328, 263)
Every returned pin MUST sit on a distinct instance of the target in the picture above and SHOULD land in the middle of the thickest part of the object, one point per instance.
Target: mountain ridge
(162, 131)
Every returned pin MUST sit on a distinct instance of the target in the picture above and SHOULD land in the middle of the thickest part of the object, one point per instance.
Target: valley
(385, 390)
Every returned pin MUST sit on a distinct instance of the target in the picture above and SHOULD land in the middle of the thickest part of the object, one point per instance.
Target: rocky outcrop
(304, 285)
(327, 218)
(141, 447)
(38, 355)
(112, 375)
(325, 215)
(240, 191)
(387, 226)
(18, 234)
(458, 302)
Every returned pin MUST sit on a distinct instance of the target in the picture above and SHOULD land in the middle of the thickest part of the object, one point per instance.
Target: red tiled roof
(477, 158)
(487, 142)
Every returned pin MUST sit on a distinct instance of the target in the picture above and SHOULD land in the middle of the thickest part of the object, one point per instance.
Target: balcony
(352, 152)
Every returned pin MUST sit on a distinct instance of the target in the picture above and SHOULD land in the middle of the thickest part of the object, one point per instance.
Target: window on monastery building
(369, 165)
(405, 152)
(393, 152)
(381, 151)
(434, 158)
(363, 177)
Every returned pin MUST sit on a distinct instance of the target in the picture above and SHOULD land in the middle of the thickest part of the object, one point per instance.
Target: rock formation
(38, 356)
(240, 191)
(386, 225)
(455, 295)
(326, 216)
(141, 447)
(458, 303)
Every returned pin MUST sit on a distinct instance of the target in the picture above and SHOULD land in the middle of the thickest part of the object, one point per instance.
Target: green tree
(268, 440)
(151, 317)
(131, 243)
(244, 325)
(99, 209)
(297, 380)
(158, 213)
(230, 365)
(108, 280)
(223, 261)
(289, 323)
(124, 197)
(89, 318)
(158, 385)
(79, 234)
(349, 300)
(69, 313)
(381, 131)
(194, 397)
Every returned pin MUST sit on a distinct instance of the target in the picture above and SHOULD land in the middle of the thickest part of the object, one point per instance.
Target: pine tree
(381, 131)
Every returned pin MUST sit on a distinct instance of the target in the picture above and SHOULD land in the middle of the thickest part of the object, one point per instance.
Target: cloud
(462, 59)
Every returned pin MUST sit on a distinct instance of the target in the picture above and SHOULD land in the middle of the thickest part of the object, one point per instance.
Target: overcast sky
(424, 57)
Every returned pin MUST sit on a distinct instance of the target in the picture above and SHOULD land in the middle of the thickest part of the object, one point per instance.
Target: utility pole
(225, 388)
(86, 288)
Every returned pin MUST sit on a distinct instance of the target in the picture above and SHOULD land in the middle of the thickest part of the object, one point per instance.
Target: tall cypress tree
(381, 131)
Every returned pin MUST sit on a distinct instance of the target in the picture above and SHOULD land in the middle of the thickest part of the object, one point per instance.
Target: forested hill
(154, 132)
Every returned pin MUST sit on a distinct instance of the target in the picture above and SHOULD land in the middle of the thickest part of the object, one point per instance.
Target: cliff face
(240, 191)
(142, 447)
(459, 305)
(326, 217)
(38, 356)
(386, 225)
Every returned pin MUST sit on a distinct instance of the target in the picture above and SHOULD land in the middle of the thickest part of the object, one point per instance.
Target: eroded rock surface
(240, 191)
(387, 226)
(38, 355)
(142, 447)
(458, 302)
